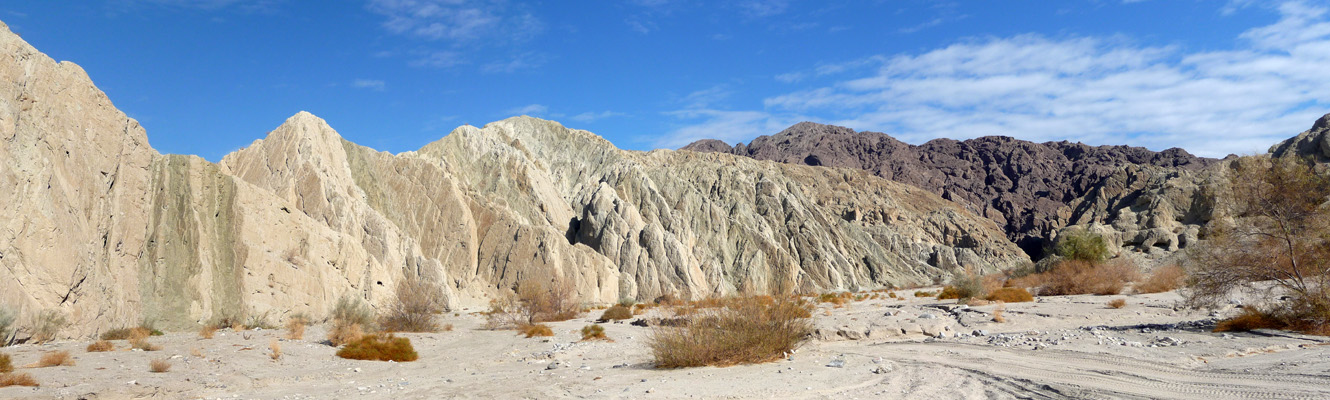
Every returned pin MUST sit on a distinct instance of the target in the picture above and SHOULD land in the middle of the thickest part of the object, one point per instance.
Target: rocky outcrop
(1031, 189)
(1313, 144)
(96, 224)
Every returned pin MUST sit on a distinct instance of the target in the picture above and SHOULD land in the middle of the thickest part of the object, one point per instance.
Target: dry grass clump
(1117, 303)
(618, 312)
(275, 350)
(159, 365)
(837, 299)
(747, 330)
(207, 331)
(100, 346)
(11, 379)
(295, 328)
(952, 293)
(143, 344)
(533, 330)
(379, 347)
(1250, 319)
(920, 293)
(1010, 295)
(55, 359)
(416, 307)
(1082, 277)
(47, 325)
(594, 332)
(6, 364)
(341, 334)
(1163, 279)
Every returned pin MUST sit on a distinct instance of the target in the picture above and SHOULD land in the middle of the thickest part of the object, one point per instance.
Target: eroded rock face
(1313, 144)
(98, 225)
(1031, 189)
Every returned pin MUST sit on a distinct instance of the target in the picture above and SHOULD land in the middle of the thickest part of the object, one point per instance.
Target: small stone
(838, 363)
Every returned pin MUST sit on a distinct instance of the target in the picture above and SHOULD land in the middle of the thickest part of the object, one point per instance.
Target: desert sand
(1056, 347)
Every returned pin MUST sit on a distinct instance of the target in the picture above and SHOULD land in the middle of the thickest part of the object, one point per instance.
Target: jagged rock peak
(1313, 143)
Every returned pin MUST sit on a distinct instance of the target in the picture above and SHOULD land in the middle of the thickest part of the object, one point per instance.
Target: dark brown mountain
(1028, 188)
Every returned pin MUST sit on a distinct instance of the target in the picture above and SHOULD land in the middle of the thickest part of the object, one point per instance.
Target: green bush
(1081, 245)
(618, 312)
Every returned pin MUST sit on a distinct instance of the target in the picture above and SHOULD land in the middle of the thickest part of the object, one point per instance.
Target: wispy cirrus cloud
(371, 84)
(457, 21)
(534, 110)
(1268, 86)
(594, 116)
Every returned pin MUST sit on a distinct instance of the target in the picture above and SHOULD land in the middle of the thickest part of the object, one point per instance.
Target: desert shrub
(7, 317)
(963, 287)
(747, 330)
(1117, 303)
(1081, 277)
(1081, 245)
(593, 332)
(1163, 279)
(295, 328)
(351, 310)
(143, 344)
(350, 317)
(100, 346)
(1250, 319)
(618, 312)
(6, 364)
(47, 325)
(533, 330)
(535, 301)
(627, 302)
(55, 359)
(997, 314)
(11, 379)
(341, 333)
(207, 331)
(415, 307)
(1010, 295)
(379, 347)
(275, 350)
(924, 294)
(1279, 234)
(116, 334)
(548, 301)
(258, 321)
(159, 365)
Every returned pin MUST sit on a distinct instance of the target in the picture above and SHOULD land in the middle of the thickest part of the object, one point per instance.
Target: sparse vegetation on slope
(746, 330)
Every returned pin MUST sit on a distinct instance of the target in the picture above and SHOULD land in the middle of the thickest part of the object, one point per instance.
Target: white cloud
(439, 59)
(372, 84)
(593, 116)
(727, 126)
(1100, 90)
(530, 109)
(763, 8)
(206, 5)
(457, 21)
(517, 63)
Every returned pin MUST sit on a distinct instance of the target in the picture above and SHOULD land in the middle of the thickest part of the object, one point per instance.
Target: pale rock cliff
(96, 224)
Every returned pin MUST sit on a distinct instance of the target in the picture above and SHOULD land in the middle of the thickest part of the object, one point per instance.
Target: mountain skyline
(209, 77)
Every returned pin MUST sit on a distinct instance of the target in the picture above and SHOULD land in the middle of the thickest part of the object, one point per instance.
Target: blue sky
(207, 77)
